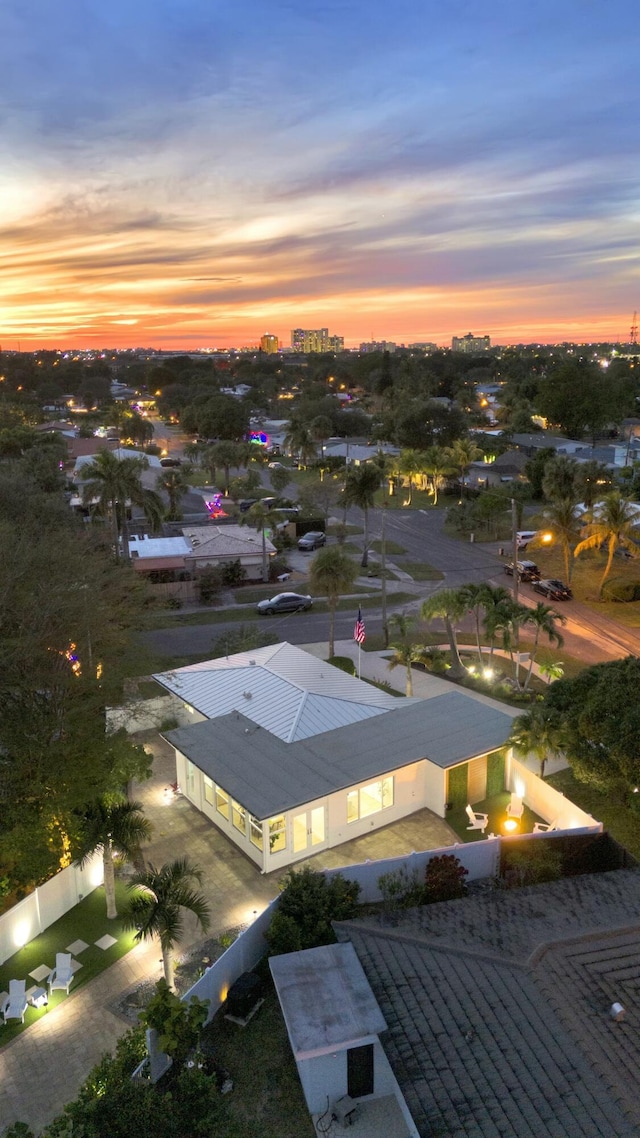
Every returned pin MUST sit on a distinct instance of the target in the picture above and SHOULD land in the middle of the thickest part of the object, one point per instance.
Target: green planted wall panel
(457, 795)
(495, 773)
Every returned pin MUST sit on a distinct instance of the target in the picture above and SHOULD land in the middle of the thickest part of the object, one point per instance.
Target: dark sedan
(284, 602)
(312, 540)
(554, 589)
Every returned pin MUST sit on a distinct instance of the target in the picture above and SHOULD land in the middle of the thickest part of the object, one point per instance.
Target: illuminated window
(208, 790)
(370, 799)
(222, 802)
(238, 816)
(191, 778)
(277, 834)
(255, 831)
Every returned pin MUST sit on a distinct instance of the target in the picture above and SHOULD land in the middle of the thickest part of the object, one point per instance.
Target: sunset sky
(187, 173)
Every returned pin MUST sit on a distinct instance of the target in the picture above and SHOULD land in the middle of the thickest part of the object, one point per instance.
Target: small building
(334, 1037)
(507, 467)
(287, 755)
(153, 554)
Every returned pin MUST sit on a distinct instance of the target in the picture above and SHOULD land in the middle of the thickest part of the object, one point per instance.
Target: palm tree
(359, 490)
(544, 619)
(475, 599)
(261, 519)
(410, 466)
(614, 522)
(175, 484)
(447, 605)
(298, 441)
(462, 454)
(405, 653)
(537, 732)
(436, 465)
(113, 482)
(592, 480)
(333, 573)
(226, 454)
(160, 897)
(552, 669)
(494, 597)
(561, 522)
(506, 618)
(118, 828)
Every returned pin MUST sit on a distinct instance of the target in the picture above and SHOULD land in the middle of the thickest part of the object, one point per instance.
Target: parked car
(284, 602)
(527, 570)
(552, 587)
(312, 540)
(170, 462)
(524, 536)
(276, 466)
(246, 504)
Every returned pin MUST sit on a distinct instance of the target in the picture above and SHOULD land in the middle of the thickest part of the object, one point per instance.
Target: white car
(276, 466)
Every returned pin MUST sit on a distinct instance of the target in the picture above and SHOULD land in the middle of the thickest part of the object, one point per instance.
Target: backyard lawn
(496, 808)
(86, 922)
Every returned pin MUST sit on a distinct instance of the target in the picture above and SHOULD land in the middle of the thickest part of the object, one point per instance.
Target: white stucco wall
(324, 1077)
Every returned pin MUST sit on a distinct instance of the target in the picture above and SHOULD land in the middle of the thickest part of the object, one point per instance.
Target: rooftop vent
(247, 695)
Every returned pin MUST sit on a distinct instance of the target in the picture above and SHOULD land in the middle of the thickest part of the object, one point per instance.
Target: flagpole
(359, 651)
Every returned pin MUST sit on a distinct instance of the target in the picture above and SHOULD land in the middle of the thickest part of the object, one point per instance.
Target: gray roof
(497, 1009)
(343, 1009)
(269, 776)
(281, 688)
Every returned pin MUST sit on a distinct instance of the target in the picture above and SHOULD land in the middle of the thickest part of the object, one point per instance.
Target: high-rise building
(424, 346)
(269, 344)
(315, 340)
(377, 346)
(470, 343)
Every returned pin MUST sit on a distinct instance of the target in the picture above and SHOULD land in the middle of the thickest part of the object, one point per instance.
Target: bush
(344, 663)
(444, 879)
(401, 889)
(530, 865)
(233, 573)
(309, 903)
(621, 590)
(178, 1024)
(210, 584)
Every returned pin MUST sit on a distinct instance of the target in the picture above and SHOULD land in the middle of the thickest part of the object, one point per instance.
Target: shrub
(209, 584)
(531, 865)
(178, 1024)
(444, 879)
(233, 573)
(309, 903)
(622, 591)
(344, 663)
(401, 889)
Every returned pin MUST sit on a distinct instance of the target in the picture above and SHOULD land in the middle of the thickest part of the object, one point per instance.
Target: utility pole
(514, 541)
(383, 573)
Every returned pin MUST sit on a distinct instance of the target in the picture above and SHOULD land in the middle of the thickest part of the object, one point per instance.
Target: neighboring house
(498, 1009)
(85, 450)
(531, 443)
(335, 1037)
(288, 755)
(355, 453)
(508, 467)
(218, 545)
(150, 554)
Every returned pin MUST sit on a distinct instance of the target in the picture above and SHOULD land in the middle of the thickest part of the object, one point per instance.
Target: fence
(47, 904)
(550, 804)
(148, 714)
(241, 956)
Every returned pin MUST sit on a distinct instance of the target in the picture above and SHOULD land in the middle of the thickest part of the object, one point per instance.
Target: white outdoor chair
(15, 1004)
(62, 975)
(515, 808)
(544, 827)
(478, 821)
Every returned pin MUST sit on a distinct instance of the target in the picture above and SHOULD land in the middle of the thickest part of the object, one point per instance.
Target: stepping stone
(105, 942)
(40, 972)
(77, 947)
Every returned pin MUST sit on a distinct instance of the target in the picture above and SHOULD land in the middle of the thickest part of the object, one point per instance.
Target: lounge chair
(15, 1004)
(62, 975)
(478, 821)
(515, 808)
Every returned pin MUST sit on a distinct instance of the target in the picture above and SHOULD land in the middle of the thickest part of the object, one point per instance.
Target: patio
(496, 807)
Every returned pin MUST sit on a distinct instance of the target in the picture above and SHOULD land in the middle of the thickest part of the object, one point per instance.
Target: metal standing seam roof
(269, 776)
(282, 688)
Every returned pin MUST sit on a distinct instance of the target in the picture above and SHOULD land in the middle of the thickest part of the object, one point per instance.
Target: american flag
(358, 631)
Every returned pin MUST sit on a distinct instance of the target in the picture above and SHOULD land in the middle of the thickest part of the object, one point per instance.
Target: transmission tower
(633, 333)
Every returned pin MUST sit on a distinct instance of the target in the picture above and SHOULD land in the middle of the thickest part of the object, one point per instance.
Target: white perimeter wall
(149, 714)
(550, 804)
(47, 904)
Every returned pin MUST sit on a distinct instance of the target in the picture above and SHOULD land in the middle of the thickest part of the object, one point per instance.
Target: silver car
(284, 602)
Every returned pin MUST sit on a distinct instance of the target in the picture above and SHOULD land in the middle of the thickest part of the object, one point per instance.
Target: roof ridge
(602, 933)
(423, 942)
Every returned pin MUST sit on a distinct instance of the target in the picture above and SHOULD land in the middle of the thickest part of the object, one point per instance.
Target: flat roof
(343, 1010)
(269, 776)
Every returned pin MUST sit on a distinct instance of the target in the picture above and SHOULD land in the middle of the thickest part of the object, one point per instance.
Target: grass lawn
(267, 1098)
(496, 808)
(86, 921)
(252, 594)
(421, 571)
(392, 548)
(621, 821)
(332, 530)
(585, 581)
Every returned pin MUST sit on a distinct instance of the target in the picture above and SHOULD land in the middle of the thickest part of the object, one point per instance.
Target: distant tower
(633, 334)
(269, 344)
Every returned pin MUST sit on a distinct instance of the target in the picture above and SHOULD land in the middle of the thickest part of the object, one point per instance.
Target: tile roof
(498, 1009)
(226, 541)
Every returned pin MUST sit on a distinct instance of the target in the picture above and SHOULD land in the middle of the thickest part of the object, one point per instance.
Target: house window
(255, 831)
(277, 834)
(238, 816)
(370, 799)
(191, 778)
(208, 790)
(222, 802)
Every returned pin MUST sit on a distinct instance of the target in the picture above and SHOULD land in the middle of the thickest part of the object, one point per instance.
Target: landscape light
(487, 673)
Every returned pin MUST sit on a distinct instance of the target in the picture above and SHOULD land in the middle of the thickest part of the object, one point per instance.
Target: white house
(288, 755)
(218, 545)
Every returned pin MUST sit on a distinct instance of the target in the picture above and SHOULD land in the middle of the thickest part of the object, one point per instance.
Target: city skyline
(178, 176)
